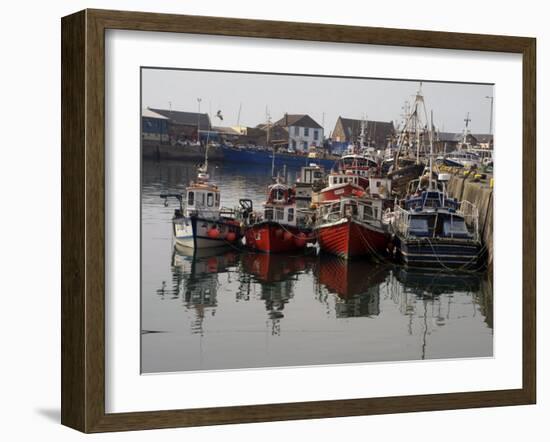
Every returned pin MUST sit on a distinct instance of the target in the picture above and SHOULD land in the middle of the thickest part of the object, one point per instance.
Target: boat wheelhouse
(349, 178)
(282, 227)
(310, 180)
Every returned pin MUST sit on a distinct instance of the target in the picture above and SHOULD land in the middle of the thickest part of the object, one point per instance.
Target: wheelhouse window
(279, 214)
(268, 214)
(350, 210)
(455, 228)
(190, 198)
(419, 227)
(367, 213)
(290, 215)
(210, 199)
(278, 195)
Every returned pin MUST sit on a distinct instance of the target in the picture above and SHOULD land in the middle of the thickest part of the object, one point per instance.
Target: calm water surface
(225, 309)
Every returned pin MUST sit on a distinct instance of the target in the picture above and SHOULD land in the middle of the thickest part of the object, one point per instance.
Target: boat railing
(401, 221)
(471, 217)
(204, 211)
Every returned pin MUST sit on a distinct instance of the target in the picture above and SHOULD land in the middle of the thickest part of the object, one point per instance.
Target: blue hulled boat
(265, 157)
(434, 231)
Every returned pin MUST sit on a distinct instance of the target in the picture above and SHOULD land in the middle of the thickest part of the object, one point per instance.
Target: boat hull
(439, 253)
(265, 157)
(348, 239)
(272, 237)
(194, 232)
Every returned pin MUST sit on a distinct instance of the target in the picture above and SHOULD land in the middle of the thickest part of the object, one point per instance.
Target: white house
(303, 131)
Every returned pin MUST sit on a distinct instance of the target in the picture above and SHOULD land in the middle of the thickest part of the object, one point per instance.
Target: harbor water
(230, 309)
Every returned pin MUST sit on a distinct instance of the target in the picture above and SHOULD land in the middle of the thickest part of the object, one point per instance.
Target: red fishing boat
(352, 227)
(281, 228)
(350, 178)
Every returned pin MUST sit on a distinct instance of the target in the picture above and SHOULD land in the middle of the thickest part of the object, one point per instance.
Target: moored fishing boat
(352, 227)
(435, 231)
(200, 222)
(281, 227)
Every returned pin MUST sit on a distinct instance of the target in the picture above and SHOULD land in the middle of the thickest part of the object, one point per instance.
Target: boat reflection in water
(439, 298)
(277, 275)
(241, 309)
(195, 275)
(355, 283)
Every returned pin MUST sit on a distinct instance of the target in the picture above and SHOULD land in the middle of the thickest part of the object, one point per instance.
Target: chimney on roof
(286, 119)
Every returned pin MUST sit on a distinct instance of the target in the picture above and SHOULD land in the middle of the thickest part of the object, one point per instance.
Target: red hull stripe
(349, 239)
(273, 238)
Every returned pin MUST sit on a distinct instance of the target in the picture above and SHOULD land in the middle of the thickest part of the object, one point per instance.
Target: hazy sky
(380, 100)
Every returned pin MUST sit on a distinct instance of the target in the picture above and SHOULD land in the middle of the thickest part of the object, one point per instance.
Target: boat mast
(268, 141)
(362, 134)
(431, 148)
(199, 121)
(466, 130)
(419, 100)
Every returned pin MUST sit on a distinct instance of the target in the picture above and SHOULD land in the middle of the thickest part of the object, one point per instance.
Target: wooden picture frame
(83, 210)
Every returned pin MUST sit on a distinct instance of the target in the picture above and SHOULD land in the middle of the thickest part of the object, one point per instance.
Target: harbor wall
(157, 151)
(480, 193)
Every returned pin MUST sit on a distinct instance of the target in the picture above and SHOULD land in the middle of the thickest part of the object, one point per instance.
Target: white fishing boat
(200, 221)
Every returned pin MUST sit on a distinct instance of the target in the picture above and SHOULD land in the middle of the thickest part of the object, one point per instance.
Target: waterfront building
(303, 131)
(183, 125)
(450, 141)
(348, 130)
(154, 127)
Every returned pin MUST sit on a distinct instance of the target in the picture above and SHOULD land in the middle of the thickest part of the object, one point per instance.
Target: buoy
(212, 264)
(287, 236)
(213, 233)
(230, 236)
(300, 240)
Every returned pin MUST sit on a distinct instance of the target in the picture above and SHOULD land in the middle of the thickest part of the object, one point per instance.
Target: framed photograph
(267, 221)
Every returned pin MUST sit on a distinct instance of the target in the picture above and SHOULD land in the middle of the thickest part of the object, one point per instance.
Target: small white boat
(201, 222)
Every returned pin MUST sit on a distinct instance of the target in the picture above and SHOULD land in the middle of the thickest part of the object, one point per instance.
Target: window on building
(294, 144)
(315, 134)
(190, 198)
(306, 131)
(305, 145)
(297, 131)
